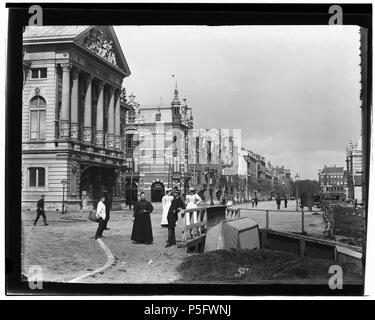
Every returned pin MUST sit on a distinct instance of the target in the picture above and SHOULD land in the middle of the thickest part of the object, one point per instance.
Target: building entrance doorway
(157, 191)
(134, 193)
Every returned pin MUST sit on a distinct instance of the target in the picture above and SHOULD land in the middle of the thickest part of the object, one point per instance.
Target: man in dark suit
(107, 208)
(40, 211)
(176, 205)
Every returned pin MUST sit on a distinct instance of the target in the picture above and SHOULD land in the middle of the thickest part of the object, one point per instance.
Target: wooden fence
(196, 221)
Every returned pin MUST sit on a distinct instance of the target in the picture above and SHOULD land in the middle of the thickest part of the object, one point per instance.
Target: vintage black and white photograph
(194, 154)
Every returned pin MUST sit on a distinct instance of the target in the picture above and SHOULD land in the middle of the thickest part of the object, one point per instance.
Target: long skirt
(164, 219)
(142, 229)
(191, 217)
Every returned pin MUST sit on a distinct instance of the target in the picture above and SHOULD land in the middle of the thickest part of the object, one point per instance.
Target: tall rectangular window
(37, 125)
(129, 141)
(37, 118)
(209, 152)
(37, 177)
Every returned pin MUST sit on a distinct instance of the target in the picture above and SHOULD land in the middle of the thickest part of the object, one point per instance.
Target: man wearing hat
(176, 206)
(40, 211)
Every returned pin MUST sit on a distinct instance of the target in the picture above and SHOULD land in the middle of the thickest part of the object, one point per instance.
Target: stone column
(99, 116)
(65, 101)
(117, 121)
(74, 105)
(111, 119)
(87, 131)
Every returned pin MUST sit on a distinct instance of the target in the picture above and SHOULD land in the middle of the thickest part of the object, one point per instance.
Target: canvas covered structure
(237, 234)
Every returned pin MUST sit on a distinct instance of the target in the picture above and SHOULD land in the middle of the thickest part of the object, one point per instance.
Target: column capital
(89, 77)
(75, 72)
(111, 89)
(118, 92)
(66, 66)
(101, 84)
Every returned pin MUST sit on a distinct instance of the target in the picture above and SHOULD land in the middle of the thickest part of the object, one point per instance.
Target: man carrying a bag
(100, 215)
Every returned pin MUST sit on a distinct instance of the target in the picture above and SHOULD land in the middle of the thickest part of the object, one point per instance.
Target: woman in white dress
(192, 200)
(166, 203)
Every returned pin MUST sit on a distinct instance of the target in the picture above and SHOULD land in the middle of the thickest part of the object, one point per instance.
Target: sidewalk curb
(109, 263)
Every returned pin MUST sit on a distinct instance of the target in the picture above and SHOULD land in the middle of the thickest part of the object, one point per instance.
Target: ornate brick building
(158, 139)
(354, 170)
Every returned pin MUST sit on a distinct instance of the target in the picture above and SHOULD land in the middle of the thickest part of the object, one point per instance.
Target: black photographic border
(153, 14)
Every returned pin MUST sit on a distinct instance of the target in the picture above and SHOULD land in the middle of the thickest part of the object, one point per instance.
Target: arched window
(37, 118)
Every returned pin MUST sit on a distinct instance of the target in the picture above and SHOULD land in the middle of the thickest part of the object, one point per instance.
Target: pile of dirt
(251, 266)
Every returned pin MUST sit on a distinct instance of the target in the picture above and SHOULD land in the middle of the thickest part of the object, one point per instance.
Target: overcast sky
(293, 91)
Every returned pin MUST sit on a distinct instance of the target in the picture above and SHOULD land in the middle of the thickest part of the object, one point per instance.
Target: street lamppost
(64, 183)
(297, 178)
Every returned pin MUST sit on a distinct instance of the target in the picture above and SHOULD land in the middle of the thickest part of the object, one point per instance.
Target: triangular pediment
(102, 41)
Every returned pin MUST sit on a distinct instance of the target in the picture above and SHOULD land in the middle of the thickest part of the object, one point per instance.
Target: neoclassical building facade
(73, 119)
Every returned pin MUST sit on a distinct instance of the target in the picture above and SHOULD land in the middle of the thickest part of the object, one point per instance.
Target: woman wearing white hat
(166, 203)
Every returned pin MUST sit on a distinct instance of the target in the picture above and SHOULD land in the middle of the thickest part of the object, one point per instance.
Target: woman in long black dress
(142, 229)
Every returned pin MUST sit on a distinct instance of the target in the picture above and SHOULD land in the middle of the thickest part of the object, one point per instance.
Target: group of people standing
(278, 202)
(172, 204)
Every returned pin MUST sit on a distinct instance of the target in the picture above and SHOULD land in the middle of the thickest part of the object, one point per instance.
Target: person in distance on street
(40, 211)
(278, 202)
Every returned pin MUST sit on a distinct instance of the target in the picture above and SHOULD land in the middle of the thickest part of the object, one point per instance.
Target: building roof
(332, 170)
(39, 35)
(53, 32)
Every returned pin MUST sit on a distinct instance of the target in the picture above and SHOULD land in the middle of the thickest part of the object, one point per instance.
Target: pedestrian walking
(278, 202)
(107, 208)
(100, 215)
(142, 228)
(40, 211)
(176, 206)
(285, 202)
(166, 203)
(256, 201)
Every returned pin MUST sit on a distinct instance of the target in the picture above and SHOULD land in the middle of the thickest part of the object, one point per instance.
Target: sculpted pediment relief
(99, 43)
(102, 41)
